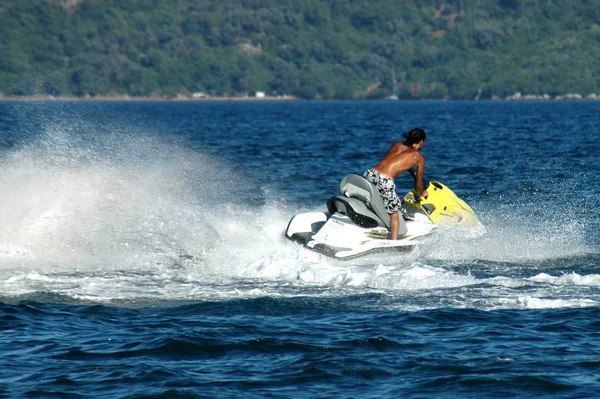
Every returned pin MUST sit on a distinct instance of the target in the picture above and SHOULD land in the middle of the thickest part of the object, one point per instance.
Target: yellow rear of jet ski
(441, 206)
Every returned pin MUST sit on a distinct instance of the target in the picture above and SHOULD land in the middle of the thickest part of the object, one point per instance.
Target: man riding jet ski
(400, 158)
(374, 204)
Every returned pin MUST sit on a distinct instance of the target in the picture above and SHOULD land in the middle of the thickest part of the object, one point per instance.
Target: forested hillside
(307, 48)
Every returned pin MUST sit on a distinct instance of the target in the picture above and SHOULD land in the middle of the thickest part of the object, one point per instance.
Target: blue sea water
(142, 253)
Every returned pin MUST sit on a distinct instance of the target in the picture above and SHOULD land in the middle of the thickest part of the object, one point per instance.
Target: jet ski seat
(362, 202)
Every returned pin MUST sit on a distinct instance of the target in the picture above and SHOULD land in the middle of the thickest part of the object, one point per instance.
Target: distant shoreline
(40, 98)
(143, 99)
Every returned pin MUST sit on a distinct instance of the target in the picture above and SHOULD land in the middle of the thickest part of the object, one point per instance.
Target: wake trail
(122, 200)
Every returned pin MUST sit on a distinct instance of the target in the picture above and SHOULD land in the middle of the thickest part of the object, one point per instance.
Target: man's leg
(394, 224)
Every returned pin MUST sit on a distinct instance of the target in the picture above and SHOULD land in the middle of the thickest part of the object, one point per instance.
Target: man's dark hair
(414, 136)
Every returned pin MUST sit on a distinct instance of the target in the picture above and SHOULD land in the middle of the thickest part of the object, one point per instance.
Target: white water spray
(128, 216)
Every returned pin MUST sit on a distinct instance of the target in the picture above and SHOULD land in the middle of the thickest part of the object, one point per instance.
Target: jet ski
(358, 224)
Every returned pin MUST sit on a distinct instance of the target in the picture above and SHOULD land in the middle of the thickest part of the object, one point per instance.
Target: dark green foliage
(344, 49)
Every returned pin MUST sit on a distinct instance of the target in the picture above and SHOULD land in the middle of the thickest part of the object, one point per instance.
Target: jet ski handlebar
(425, 183)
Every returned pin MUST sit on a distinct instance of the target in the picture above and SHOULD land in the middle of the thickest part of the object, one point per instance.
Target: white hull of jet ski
(337, 236)
(356, 223)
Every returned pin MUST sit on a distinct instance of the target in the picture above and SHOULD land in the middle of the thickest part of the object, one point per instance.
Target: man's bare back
(401, 158)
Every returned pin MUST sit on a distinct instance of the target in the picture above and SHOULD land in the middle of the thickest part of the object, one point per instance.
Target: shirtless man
(400, 158)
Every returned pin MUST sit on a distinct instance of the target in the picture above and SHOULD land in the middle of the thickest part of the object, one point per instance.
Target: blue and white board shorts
(387, 189)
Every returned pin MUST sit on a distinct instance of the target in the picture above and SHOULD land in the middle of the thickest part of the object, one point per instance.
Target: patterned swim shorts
(387, 189)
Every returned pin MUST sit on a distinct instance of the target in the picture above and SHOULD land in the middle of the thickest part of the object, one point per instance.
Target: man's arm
(419, 177)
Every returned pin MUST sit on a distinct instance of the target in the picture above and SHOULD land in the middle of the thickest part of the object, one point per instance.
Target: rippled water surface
(142, 253)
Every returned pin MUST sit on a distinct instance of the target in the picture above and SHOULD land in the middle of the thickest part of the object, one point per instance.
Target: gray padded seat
(355, 186)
